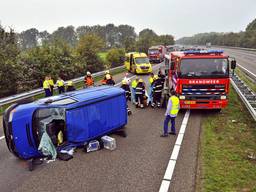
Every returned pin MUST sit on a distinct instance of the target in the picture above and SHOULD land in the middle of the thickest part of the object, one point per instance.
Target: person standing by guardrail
(109, 80)
(50, 80)
(60, 85)
(171, 113)
(70, 86)
(88, 79)
(47, 87)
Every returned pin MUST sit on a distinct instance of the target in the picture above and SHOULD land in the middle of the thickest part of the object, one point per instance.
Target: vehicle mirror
(233, 64)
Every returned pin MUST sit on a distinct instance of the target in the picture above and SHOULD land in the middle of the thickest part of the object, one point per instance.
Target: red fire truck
(200, 78)
(156, 53)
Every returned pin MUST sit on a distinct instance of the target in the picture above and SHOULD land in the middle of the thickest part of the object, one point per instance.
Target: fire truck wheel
(217, 110)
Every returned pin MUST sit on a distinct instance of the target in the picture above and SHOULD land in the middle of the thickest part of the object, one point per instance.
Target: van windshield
(153, 51)
(46, 119)
(141, 60)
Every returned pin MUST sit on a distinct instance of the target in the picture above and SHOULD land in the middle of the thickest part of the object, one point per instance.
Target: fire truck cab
(156, 53)
(200, 78)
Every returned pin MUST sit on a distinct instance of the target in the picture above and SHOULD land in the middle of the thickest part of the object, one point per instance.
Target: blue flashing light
(203, 52)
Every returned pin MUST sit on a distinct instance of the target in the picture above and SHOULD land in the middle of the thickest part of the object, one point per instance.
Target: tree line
(245, 38)
(27, 57)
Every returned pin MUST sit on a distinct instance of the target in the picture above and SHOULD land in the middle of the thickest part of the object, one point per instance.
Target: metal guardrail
(246, 94)
(28, 94)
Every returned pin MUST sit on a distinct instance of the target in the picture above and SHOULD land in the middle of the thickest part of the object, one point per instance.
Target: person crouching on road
(109, 80)
(60, 85)
(133, 90)
(88, 80)
(171, 113)
(157, 91)
(140, 94)
(47, 87)
(70, 86)
(50, 80)
(127, 90)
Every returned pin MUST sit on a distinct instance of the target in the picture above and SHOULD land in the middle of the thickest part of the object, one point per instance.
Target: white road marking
(174, 156)
(164, 186)
(169, 170)
(175, 152)
(179, 139)
(2, 137)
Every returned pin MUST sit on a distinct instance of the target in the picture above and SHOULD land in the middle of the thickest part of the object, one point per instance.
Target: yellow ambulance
(137, 63)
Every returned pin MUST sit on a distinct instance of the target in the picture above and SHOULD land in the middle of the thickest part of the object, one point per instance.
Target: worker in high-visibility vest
(47, 87)
(140, 94)
(133, 90)
(50, 80)
(157, 91)
(171, 113)
(60, 85)
(127, 90)
(88, 79)
(70, 86)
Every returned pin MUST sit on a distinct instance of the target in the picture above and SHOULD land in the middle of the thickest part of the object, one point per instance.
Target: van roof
(137, 54)
(83, 95)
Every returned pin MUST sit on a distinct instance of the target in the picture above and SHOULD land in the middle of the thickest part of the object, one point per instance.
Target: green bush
(115, 57)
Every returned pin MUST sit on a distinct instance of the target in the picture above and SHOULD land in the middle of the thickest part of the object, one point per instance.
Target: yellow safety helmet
(155, 77)
(141, 80)
(108, 77)
(124, 82)
(70, 83)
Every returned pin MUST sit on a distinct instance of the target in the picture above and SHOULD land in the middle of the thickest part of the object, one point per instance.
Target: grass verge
(226, 141)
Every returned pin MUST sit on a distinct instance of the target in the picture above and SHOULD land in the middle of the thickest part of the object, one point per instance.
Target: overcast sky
(177, 17)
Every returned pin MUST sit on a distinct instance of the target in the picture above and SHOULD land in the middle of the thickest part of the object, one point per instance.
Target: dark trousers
(139, 98)
(157, 97)
(166, 122)
(61, 89)
(48, 92)
(52, 90)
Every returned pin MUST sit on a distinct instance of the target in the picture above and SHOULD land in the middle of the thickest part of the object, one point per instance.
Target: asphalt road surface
(138, 164)
(245, 58)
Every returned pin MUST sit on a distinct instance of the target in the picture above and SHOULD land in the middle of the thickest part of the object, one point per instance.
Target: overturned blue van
(81, 115)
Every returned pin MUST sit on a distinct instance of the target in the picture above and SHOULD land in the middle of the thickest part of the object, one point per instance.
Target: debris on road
(93, 145)
(109, 142)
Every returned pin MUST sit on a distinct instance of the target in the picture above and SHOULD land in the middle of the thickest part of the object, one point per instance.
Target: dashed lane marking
(174, 156)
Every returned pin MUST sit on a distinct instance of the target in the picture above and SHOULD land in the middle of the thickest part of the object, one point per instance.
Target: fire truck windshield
(204, 68)
(153, 51)
(141, 60)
